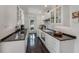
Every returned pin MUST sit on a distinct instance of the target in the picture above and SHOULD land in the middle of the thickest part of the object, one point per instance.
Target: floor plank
(35, 45)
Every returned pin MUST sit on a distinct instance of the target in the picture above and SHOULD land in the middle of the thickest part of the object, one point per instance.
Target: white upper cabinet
(56, 15)
(61, 15)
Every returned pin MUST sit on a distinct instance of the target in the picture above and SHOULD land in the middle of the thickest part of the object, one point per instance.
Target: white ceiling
(36, 8)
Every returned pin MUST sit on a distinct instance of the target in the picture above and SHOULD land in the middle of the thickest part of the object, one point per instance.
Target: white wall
(8, 19)
(38, 20)
(75, 26)
(26, 21)
(66, 15)
(74, 8)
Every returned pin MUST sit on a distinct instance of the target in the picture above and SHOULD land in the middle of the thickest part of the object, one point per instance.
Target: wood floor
(35, 45)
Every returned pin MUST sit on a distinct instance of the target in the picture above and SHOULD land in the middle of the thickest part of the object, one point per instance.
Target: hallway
(35, 45)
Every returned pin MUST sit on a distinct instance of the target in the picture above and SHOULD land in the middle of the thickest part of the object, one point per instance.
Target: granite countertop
(63, 38)
(15, 36)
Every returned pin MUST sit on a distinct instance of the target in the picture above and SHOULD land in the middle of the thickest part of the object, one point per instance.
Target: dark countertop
(63, 38)
(16, 36)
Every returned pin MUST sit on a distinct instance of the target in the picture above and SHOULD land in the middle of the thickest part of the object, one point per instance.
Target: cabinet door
(67, 46)
(49, 43)
(52, 16)
(56, 44)
(58, 14)
(52, 44)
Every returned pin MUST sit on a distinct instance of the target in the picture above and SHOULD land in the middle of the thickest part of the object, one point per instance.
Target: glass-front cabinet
(59, 15)
(52, 17)
(56, 15)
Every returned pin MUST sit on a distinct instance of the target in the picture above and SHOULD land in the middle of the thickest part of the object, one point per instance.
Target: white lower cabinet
(13, 47)
(67, 46)
(52, 44)
(56, 46)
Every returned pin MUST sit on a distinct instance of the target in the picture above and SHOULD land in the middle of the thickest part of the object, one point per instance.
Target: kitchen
(56, 26)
